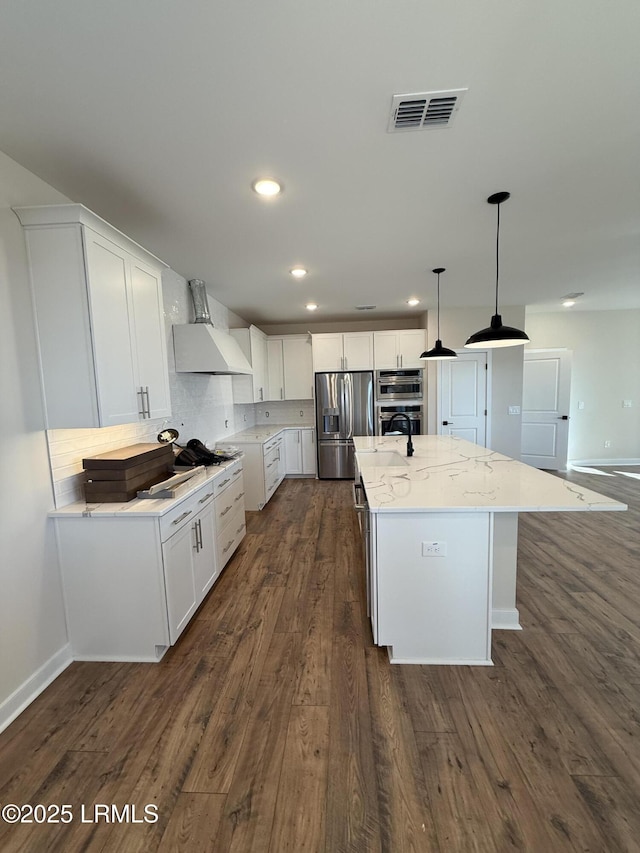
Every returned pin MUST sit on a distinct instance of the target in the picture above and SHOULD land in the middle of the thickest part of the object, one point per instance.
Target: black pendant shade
(497, 335)
(438, 352)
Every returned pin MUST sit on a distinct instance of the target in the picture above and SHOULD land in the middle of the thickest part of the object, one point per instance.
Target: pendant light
(438, 353)
(497, 335)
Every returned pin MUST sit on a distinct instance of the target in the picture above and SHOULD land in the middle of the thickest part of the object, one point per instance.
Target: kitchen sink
(381, 459)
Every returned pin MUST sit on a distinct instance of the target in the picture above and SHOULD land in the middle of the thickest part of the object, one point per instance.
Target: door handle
(447, 423)
(563, 418)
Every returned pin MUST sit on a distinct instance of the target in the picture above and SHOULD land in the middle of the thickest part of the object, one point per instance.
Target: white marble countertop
(143, 506)
(259, 433)
(449, 474)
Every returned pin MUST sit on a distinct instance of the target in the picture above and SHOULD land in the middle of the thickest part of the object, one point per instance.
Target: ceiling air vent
(365, 307)
(424, 110)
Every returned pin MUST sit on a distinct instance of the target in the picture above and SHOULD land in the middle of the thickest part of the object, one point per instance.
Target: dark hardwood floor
(274, 725)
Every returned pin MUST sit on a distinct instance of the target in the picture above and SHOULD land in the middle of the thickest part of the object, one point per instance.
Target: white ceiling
(159, 114)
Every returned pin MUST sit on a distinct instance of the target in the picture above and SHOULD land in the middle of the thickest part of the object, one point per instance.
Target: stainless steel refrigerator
(344, 408)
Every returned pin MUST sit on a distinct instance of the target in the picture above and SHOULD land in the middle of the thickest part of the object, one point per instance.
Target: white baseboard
(604, 463)
(15, 704)
(506, 620)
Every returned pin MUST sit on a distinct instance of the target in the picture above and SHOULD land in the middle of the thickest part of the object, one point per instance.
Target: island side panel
(435, 609)
(504, 613)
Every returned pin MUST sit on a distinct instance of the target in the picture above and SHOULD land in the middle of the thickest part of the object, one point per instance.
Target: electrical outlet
(626, 404)
(434, 549)
(607, 444)
(514, 410)
(581, 404)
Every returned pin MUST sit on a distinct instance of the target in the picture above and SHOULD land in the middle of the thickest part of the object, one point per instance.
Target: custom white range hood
(201, 348)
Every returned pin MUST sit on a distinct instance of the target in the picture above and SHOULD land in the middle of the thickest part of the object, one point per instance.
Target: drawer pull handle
(184, 515)
(224, 550)
(224, 482)
(270, 464)
(240, 529)
(240, 496)
(235, 473)
(206, 497)
(225, 511)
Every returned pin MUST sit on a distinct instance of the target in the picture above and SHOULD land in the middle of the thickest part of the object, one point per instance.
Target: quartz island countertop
(450, 474)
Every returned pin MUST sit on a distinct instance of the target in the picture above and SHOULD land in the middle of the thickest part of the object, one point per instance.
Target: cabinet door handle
(226, 510)
(196, 546)
(270, 464)
(183, 516)
(224, 550)
(235, 473)
(200, 542)
(146, 395)
(240, 496)
(240, 529)
(224, 482)
(205, 498)
(140, 394)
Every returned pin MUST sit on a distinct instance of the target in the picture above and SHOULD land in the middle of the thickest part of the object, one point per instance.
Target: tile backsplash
(202, 406)
(286, 412)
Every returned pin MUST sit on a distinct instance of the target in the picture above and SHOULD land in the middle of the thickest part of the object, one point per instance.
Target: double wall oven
(399, 391)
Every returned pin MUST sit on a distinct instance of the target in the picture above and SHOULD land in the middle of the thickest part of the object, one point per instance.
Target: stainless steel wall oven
(415, 413)
(398, 385)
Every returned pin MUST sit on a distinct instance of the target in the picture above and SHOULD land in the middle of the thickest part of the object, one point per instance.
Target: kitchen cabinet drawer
(272, 444)
(176, 518)
(230, 537)
(226, 480)
(185, 511)
(228, 501)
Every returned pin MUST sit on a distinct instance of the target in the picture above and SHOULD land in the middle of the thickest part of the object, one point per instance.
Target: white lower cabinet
(264, 469)
(133, 582)
(300, 452)
(431, 609)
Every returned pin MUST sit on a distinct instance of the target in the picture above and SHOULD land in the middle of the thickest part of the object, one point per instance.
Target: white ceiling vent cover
(424, 110)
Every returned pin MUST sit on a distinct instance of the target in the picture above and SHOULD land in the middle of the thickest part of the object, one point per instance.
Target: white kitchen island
(442, 542)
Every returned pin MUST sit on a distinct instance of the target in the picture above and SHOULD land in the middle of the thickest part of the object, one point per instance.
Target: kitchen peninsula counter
(441, 541)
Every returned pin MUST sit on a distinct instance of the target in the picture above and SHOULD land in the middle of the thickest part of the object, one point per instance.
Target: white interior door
(463, 397)
(545, 408)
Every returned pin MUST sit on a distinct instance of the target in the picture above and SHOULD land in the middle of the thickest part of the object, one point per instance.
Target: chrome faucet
(408, 420)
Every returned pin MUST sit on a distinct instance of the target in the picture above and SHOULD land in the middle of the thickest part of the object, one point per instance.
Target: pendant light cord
(497, 257)
(438, 306)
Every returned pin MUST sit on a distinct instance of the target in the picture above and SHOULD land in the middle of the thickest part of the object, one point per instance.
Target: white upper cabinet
(275, 369)
(343, 351)
(253, 343)
(399, 349)
(100, 320)
(289, 368)
(298, 368)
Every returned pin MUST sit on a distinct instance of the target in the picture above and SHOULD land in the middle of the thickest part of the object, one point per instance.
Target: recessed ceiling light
(311, 306)
(413, 302)
(298, 272)
(569, 299)
(267, 187)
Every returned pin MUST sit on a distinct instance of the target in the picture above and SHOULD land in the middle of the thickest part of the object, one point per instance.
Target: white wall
(456, 324)
(605, 371)
(33, 637)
